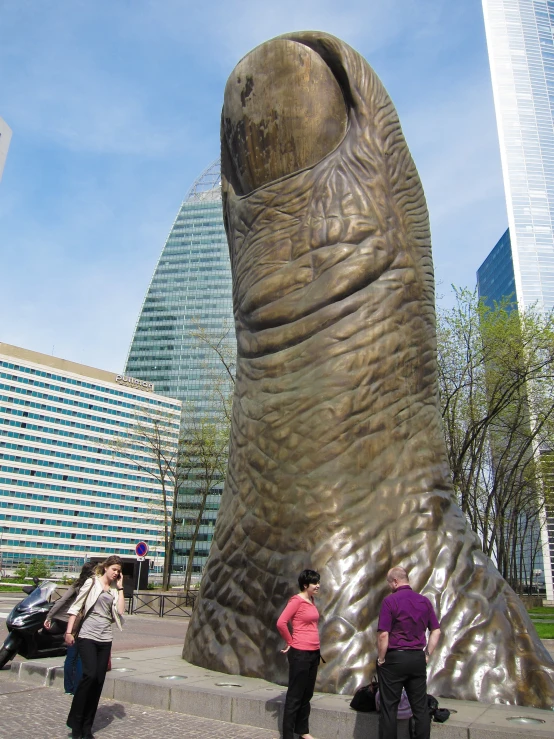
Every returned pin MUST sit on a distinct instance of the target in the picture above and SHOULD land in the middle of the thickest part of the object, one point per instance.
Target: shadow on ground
(107, 714)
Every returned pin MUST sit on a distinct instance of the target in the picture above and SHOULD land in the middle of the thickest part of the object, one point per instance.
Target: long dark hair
(87, 570)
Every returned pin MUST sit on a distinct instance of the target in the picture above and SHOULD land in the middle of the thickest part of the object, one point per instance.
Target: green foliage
(40, 568)
(496, 389)
(37, 567)
(21, 571)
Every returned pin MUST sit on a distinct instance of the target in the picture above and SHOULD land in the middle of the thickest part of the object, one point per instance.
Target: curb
(215, 696)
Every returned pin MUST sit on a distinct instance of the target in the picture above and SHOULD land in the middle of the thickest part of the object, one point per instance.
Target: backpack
(364, 698)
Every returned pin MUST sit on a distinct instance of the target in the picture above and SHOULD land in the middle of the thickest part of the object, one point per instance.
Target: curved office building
(191, 289)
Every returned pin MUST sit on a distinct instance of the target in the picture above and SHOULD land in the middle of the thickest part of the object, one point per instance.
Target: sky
(115, 109)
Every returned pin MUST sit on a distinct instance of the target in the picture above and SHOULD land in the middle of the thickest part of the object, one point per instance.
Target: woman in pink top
(303, 653)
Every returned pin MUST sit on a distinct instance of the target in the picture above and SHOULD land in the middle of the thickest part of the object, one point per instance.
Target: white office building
(5, 138)
(64, 494)
(521, 53)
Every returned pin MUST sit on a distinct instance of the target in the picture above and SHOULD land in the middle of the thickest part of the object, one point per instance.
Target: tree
(21, 571)
(154, 445)
(496, 388)
(207, 443)
(37, 567)
(222, 380)
(189, 468)
(208, 431)
(40, 568)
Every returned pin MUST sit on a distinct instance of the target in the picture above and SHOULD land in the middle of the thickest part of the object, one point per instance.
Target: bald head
(399, 575)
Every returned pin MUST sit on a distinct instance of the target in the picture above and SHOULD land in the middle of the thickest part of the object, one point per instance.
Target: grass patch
(542, 611)
(545, 631)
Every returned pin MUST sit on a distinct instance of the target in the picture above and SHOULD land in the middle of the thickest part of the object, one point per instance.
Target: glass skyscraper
(495, 277)
(5, 138)
(521, 54)
(191, 290)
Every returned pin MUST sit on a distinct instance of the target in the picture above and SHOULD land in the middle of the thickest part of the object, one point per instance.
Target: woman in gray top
(57, 622)
(102, 601)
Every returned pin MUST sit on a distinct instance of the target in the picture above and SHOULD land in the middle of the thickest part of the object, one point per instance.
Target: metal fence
(152, 603)
(163, 604)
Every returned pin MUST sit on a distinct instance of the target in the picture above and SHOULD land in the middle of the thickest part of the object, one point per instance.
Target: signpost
(141, 550)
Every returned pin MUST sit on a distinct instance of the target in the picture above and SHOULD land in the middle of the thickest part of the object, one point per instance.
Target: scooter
(25, 622)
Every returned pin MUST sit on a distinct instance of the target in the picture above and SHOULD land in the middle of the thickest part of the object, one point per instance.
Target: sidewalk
(34, 712)
(159, 679)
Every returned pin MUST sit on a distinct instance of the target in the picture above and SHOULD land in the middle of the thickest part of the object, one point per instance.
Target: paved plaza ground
(137, 698)
(29, 712)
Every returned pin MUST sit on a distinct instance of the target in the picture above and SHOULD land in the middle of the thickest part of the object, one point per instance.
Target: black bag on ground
(364, 698)
(432, 704)
(441, 715)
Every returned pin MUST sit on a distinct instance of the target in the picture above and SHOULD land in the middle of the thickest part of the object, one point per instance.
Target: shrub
(21, 571)
(40, 568)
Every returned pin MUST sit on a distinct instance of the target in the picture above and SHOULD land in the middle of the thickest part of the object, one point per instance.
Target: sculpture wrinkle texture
(337, 457)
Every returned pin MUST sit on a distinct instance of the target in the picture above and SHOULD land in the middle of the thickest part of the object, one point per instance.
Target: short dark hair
(308, 577)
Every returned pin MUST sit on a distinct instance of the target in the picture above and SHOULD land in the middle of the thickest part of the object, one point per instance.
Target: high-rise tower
(190, 290)
(5, 138)
(521, 54)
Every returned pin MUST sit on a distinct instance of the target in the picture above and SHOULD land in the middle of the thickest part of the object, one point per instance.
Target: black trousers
(303, 666)
(94, 657)
(403, 670)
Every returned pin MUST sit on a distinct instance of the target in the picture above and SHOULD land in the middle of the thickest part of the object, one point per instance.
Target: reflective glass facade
(521, 54)
(495, 277)
(191, 288)
(63, 493)
(5, 138)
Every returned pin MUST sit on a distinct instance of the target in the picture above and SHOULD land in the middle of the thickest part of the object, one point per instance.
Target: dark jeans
(94, 657)
(403, 670)
(303, 666)
(72, 669)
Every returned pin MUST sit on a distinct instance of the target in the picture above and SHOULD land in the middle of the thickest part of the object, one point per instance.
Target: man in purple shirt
(403, 651)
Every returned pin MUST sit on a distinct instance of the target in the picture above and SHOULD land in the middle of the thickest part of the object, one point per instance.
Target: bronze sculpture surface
(337, 457)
